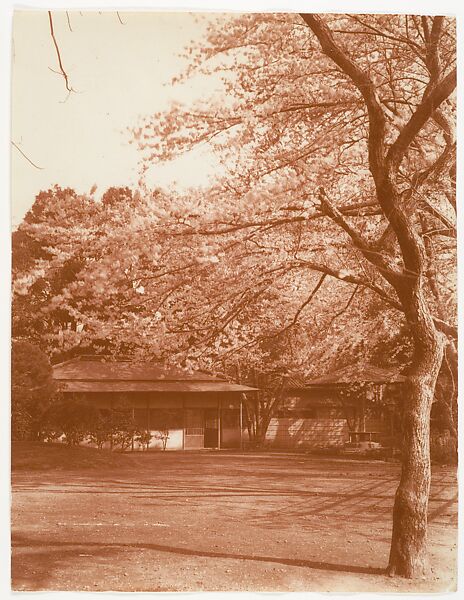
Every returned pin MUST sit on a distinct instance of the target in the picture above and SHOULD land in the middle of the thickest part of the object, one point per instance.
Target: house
(196, 410)
(355, 404)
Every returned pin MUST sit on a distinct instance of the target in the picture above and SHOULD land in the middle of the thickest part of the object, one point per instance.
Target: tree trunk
(408, 553)
(261, 429)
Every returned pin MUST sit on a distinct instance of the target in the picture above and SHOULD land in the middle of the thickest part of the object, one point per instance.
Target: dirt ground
(203, 521)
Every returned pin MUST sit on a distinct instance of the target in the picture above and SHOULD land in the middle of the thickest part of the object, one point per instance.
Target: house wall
(322, 405)
(156, 411)
(308, 433)
(174, 441)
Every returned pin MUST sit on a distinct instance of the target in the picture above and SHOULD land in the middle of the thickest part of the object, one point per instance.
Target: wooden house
(355, 404)
(196, 410)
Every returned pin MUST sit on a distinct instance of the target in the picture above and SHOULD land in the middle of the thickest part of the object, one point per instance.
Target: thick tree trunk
(408, 553)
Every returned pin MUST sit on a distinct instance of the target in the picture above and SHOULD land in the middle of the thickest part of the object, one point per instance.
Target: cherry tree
(348, 120)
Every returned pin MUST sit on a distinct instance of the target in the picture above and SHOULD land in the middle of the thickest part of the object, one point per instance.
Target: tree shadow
(40, 565)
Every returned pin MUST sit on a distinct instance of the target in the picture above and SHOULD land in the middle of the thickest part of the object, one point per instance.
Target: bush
(163, 435)
(100, 432)
(143, 437)
(72, 417)
(443, 447)
(123, 426)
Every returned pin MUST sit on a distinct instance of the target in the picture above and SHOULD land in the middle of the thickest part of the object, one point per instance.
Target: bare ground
(203, 521)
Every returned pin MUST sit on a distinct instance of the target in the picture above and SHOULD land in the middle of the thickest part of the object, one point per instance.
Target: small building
(356, 404)
(196, 410)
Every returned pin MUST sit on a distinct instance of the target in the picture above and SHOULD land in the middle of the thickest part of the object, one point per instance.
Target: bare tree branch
(58, 54)
(26, 157)
(69, 21)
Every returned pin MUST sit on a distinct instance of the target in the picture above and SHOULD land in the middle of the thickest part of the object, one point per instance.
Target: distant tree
(54, 205)
(32, 390)
(42, 266)
(115, 197)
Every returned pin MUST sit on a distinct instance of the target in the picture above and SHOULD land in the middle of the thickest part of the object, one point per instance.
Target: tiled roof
(295, 382)
(151, 386)
(93, 374)
(359, 373)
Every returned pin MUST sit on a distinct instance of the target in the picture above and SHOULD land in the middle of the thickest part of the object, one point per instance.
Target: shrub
(100, 432)
(123, 426)
(143, 437)
(163, 435)
(443, 447)
(72, 417)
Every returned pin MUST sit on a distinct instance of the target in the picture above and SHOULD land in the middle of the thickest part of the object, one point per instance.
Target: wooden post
(183, 423)
(241, 422)
(219, 421)
(363, 409)
(111, 413)
(133, 421)
(148, 418)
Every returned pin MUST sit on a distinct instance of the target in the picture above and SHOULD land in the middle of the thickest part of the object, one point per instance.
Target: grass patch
(42, 456)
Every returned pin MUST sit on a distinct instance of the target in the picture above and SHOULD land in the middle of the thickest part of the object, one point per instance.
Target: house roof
(295, 381)
(358, 373)
(94, 374)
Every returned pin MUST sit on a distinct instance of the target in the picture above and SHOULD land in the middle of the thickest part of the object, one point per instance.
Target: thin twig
(62, 71)
(119, 17)
(26, 157)
(340, 312)
(69, 21)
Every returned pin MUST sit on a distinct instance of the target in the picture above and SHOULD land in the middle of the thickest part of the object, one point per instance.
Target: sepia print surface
(234, 323)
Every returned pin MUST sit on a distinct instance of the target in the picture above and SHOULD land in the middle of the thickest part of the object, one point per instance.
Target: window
(141, 417)
(166, 418)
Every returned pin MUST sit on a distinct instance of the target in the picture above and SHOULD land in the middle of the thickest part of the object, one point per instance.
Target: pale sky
(120, 74)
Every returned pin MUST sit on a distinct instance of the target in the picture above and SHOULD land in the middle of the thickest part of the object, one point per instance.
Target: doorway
(194, 428)
(211, 428)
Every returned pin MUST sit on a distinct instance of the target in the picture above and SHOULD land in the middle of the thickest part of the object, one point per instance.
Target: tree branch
(305, 304)
(365, 86)
(62, 71)
(26, 157)
(388, 268)
(351, 278)
(424, 111)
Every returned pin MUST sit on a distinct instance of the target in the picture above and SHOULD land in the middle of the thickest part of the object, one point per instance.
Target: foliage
(143, 437)
(79, 420)
(341, 126)
(115, 197)
(123, 427)
(163, 435)
(100, 430)
(443, 447)
(32, 389)
(72, 417)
